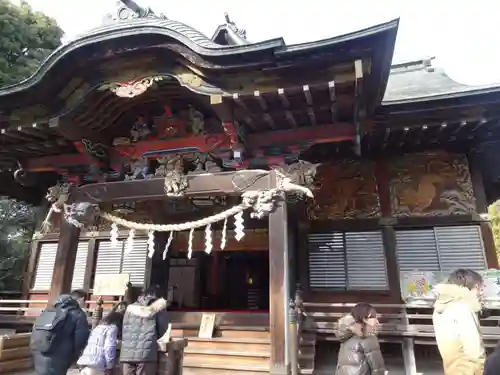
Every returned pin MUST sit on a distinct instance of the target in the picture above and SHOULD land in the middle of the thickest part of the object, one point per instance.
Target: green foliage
(494, 214)
(17, 223)
(26, 39)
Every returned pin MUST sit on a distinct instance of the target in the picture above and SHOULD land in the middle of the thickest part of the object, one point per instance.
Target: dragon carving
(78, 214)
(302, 174)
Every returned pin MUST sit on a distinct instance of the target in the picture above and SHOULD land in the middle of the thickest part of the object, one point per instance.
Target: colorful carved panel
(432, 184)
(345, 190)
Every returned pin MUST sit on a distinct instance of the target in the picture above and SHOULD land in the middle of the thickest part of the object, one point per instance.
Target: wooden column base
(64, 267)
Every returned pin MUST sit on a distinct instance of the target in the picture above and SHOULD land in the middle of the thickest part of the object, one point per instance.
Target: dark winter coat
(75, 332)
(359, 352)
(143, 324)
(492, 364)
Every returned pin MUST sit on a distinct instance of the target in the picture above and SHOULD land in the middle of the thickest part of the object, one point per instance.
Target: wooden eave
(62, 101)
(111, 41)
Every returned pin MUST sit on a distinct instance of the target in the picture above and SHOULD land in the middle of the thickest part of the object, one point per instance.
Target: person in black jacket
(492, 364)
(71, 339)
(145, 321)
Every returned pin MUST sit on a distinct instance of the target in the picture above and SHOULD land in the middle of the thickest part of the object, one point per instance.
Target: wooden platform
(15, 354)
(236, 350)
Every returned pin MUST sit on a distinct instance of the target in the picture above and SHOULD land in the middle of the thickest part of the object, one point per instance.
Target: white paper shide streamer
(129, 245)
(114, 235)
(167, 246)
(223, 239)
(151, 243)
(208, 239)
(190, 243)
(239, 226)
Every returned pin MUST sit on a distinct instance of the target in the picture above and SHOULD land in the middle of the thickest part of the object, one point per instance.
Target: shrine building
(239, 175)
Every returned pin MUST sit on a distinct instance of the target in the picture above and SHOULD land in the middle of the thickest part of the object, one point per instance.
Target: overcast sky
(464, 35)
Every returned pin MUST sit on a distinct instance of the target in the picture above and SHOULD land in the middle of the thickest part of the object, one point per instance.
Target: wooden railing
(14, 313)
(406, 324)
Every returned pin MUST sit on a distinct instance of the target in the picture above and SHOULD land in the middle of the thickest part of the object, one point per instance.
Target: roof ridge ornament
(242, 33)
(129, 10)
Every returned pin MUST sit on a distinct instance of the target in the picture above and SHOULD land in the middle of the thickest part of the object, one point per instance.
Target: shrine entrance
(225, 281)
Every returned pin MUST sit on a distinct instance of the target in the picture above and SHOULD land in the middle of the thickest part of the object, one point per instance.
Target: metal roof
(419, 79)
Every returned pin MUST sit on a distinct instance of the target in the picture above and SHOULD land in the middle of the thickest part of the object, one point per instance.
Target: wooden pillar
(389, 239)
(29, 274)
(482, 209)
(278, 304)
(490, 250)
(65, 260)
(388, 232)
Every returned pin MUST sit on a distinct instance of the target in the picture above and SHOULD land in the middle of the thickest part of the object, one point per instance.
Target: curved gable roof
(420, 80)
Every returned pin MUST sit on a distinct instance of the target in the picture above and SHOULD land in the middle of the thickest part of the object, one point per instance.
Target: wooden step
(15, 353)
(214, 364)
(243, 334)
(243, 352)
(16, 365)
(227, 360)
(193, 332)
(210, 371)
(229, 345)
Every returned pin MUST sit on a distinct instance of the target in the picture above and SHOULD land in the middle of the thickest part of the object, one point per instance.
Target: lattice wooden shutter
(80, 265)
(134, 263)
(114, 260)
(417, 250)
(366, 263)
(441, 249)
(326, 261)
(459, 247)
(109, 258)
(45, 266)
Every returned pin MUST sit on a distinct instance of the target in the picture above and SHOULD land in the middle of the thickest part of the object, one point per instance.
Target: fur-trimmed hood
(147, 309)
(449, 293)
(347, 327)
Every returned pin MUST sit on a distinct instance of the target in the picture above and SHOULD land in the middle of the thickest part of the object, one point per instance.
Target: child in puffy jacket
(99, 356)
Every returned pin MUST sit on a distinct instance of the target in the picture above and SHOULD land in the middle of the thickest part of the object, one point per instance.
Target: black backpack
(48, 329)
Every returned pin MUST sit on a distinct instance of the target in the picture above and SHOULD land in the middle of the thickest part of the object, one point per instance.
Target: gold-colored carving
(190, 79)
(345, 190)
(431, 184)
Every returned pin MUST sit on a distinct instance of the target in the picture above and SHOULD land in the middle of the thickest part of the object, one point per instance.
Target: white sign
(111, 284)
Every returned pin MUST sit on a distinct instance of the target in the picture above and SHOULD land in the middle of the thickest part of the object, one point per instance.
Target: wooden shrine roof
(333, 89)
(266, 86)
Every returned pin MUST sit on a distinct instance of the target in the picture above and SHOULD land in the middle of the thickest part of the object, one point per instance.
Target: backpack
(48, 329)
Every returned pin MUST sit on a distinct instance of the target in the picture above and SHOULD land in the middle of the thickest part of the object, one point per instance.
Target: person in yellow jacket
(456, 323)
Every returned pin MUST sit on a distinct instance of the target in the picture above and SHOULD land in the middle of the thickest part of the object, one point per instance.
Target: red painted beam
(300, 139)
(204, 143)
(312, 135)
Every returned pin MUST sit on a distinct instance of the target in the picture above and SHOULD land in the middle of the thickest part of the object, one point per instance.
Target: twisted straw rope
(176, 227)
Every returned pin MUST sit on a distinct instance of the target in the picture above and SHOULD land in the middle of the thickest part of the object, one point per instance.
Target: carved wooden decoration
(345, 190)
(432, 184)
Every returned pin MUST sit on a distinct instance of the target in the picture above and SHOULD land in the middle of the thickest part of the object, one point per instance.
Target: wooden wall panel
(431, 184)
(345, 190)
